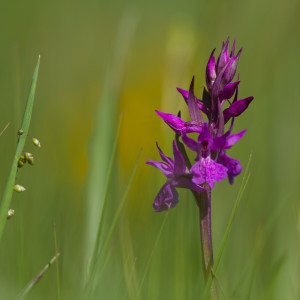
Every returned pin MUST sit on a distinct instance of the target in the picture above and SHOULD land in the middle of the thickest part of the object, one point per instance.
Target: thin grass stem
(57, 265)
(3, 130)
(152, 254)
(36, 279)
(217, 281)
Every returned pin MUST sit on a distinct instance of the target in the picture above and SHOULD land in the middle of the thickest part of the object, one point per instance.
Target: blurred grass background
(85, 63)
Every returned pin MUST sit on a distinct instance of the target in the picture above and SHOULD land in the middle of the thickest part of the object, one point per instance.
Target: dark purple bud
(236, 108)
(211, 71)
(216, 90)
(231, 68)
(228, 90)
(223, 58)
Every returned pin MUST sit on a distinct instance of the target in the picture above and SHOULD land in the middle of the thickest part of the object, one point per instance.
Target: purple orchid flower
(212, 162)
(177, 175)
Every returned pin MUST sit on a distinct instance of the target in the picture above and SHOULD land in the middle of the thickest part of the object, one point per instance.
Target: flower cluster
(211, 162)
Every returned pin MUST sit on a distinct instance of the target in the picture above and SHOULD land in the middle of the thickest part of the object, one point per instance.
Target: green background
(100, 58)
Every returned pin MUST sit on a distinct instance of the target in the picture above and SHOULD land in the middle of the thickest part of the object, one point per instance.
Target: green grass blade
(152, 254)
(108, 180)
(104, 129)
(228, 228)
(128, 259)
(117, 214)
(99, 258)
(8, 190)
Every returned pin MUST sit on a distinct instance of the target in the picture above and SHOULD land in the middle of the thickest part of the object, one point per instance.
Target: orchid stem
(204, 203)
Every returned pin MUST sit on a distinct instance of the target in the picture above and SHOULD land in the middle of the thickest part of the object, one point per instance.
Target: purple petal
(211, 71)
(201, 106)
(190, 143)
(232, 139)
(207, 170)
(231, 68)
(166, 169)
(179, 166)
(219, 142)
(204, 136)
(192, 126)
(166, 198)
(165, 158)
(187, 183)
(194, 111)
(185, 95)
(233, 165)
(228, 90)
(237, 107)
(216, 90)
(173, 121)
(223, 57)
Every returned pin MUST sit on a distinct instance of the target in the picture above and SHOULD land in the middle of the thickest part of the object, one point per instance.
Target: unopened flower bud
(20, 131)
(36, 142)
(29, 158)
(19, 188)
(22, 160)
(10, 213)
